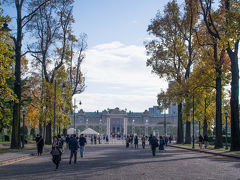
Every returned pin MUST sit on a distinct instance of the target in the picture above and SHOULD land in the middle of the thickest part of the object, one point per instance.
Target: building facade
(116, 121)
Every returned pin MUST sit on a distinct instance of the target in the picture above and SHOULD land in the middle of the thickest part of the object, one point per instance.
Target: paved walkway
(115, 162)
(210, 151)
(14, 156)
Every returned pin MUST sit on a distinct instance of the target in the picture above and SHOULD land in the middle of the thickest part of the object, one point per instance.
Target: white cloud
(117, 76)
(134, 22)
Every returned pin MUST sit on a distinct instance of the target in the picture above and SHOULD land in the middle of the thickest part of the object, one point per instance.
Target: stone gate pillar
(125, 122)
(108, 127)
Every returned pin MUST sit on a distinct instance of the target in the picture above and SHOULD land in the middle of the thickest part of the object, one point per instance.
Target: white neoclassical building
(116, 121)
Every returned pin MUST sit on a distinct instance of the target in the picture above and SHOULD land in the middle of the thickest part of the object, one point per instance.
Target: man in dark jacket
(82, 142)
(73, 146)
(136, 142)
(154, 144)
(40, 144)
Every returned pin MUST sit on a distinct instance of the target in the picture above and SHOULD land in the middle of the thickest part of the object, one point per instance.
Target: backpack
(60, 147)
(155, 143)
(162, 142)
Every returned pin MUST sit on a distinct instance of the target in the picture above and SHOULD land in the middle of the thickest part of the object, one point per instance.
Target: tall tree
(52, 28)
(168, 52)
(228, 34)
(189, 21)
(233, 32)
(22, 21)
(6, 74)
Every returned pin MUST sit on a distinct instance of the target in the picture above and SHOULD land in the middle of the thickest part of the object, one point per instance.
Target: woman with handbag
(56, 154)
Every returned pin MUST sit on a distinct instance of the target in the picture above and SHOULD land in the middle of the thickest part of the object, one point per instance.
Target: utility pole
(74, 116)
(54, 108)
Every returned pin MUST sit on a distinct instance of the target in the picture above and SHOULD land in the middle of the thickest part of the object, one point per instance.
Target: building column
(125, 122)
(108, 127)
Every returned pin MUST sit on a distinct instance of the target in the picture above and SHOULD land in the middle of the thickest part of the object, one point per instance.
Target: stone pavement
(15, 156)
(210, 151)
(115, 162)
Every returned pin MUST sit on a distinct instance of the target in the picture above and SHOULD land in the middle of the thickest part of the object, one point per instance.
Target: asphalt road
(115, 162)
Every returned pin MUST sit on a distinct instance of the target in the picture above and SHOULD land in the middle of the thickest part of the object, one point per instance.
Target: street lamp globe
(5, 28)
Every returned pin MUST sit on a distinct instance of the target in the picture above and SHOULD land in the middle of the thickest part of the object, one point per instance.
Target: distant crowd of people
(73, 143)
(154, 142)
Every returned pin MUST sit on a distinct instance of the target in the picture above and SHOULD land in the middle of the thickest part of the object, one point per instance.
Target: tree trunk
(48, 139)
(65, 132)
(180, 125)
(235, 134)
(44, 130)
(218, 69)
(40, 128)
(188, 132)
(15, 140)
(218, 141)
(205, 125)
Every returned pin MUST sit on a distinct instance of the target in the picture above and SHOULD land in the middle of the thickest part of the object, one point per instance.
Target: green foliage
(6, 73)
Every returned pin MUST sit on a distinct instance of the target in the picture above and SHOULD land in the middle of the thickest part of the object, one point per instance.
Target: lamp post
(54, 108)
(23, 139)
(226, 116)
(193, 138)
(86, 123)
(5, 27)
(100, 126)
(199, 126)
(133, 126)
(165, 124)
(146, 128)
(74, 115)
(182, 132)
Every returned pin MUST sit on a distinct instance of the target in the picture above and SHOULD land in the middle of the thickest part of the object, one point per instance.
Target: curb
(21, 158)
(207, 151)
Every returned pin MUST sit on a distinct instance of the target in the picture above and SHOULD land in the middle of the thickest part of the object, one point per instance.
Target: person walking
(91, 139)
(205, 140)
(61, 148)
(56, 153)
(67, 141)
(99, 139)
(127, 142)
(82, 142)
(150, 139)
(161, 144)
(73, 145)
(154, 145)
(170, 139)
(40, 145)
(136, 142)
(107, 139)
(36, 140)
(131, 140)
(143, 141)
(166, 140)
(95, 139)
(200, 139)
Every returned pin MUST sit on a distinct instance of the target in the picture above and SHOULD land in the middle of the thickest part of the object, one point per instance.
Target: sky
(115, 64)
